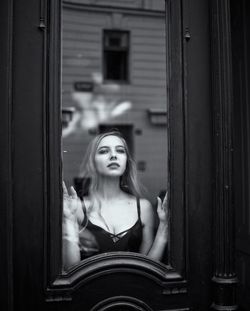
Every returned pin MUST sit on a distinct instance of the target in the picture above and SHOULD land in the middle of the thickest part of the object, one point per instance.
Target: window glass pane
(114, 79)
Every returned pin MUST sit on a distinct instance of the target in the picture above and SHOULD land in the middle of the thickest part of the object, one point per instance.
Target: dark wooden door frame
(60, 286)
(42, 170)
(6, 214)
(31, 189)
(224, 278)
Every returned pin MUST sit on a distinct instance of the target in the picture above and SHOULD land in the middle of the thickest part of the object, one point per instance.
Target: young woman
(113, 216)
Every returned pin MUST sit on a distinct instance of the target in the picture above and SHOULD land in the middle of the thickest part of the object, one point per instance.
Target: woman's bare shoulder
(128, 196)
(145, 203)
(147, 213)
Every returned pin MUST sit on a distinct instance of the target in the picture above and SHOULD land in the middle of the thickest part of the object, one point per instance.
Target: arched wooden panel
(122, 303)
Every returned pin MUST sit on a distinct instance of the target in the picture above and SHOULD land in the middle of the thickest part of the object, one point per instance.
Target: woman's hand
(163, 209)
(158, 247)
(72, 206)
(72, 215)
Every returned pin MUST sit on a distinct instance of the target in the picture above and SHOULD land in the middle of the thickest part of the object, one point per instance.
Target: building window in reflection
(116, 55)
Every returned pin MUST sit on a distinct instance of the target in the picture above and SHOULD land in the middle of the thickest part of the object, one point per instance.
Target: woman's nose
(113, 155)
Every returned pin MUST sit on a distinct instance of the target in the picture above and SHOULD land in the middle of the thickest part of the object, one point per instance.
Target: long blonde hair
(129, 181)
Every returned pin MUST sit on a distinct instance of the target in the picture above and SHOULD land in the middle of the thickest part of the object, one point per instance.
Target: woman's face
(111, 156)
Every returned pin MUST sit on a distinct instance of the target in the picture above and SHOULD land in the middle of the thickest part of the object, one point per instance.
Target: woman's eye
(103, 151)
(120, 150)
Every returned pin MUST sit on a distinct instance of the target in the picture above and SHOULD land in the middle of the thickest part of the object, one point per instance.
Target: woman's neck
(109, 188)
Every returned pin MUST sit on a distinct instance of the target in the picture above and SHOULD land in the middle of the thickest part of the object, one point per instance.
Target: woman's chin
(112, 173)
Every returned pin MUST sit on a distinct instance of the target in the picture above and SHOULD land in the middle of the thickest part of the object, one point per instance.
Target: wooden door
(31, 174)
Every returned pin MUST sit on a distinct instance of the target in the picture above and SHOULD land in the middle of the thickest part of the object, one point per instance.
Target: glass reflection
(114, 79)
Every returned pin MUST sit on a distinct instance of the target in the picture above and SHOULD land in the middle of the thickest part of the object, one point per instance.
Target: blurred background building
(114, 76)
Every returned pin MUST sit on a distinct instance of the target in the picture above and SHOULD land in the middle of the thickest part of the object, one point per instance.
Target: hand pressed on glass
(73, 217)
(72, 206)
(163, 209)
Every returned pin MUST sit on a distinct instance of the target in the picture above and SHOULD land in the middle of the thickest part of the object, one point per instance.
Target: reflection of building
(124, 41)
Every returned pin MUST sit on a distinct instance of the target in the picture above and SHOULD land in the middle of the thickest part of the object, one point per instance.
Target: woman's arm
(72, 217)
(147, 218)
(70, 244)
(154, 246)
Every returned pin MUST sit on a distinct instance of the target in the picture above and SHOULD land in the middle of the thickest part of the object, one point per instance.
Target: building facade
(124, 45)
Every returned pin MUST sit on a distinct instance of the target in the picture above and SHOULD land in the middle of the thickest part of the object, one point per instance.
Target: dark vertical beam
(176, 111)
(224, 278)
(6, 205)
(52, 138)
(28, 153)
(199, 150)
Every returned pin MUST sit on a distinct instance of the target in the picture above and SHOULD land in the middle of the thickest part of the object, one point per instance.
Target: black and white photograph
(125, 142)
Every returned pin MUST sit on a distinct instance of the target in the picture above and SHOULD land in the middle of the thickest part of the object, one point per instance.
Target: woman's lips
(113, 165)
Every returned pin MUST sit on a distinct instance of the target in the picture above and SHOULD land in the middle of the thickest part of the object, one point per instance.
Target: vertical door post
(224, 276)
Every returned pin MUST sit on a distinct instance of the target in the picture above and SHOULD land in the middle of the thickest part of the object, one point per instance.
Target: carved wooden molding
(224, 271)
(118, 263)
(121, 301)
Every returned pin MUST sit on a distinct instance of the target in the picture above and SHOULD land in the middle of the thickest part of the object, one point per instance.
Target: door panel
(114, 281)
(126, 278)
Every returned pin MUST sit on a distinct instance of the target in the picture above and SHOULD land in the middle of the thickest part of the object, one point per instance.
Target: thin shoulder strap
(138, 208)
(84, 206)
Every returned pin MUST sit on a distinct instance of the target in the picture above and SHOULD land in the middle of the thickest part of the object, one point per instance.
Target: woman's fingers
(162, 209)
(65, 191)
(73, 193)
(75, 199)
(70, 202)
(159, 203)
(165, 201)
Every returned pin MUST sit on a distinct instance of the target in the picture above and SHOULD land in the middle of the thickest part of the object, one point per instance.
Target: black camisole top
(95, 240)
